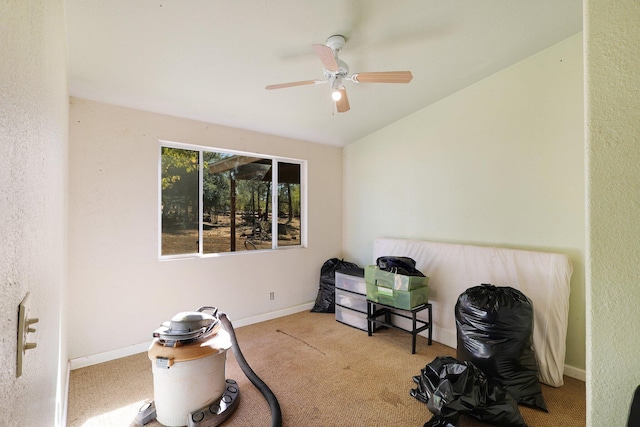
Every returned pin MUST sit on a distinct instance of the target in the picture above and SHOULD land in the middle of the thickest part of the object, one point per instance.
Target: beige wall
(33, 165)
(118, 289)
(498, 163)
(457, 200)
(612, 43)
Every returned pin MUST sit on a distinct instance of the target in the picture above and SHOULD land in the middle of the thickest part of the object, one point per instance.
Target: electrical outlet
(272, 295)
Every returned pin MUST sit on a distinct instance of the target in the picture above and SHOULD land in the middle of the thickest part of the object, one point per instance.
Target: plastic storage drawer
(351, 280)
(351, 300)
(351, 317)
(397, 282)
(405, 300)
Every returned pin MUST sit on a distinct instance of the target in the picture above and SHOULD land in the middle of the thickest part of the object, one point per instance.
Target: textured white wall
(33, 137)
(118, 289)
(498, 163)
(612, 46)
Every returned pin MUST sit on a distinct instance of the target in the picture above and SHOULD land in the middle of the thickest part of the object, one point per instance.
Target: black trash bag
(451, 388)
(326, 299)
(495, 327)
(399, 265)
(634, 411)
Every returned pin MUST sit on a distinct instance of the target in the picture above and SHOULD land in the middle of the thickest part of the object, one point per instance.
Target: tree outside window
(218, 202)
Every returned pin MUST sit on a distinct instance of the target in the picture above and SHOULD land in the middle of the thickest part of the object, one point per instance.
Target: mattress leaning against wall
(543, 277)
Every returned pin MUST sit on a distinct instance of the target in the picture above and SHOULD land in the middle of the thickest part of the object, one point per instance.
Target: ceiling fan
(336, 72)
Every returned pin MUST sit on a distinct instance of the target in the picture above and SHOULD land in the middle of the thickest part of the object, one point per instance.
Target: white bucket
(194, 379)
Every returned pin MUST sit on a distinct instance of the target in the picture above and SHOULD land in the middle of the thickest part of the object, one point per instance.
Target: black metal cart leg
(369, 317)
(430, 322)
(413, 334)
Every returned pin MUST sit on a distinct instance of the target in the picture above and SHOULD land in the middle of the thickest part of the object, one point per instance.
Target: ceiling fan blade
(292, 84)
(342, 104)
(383, 77)
(326, 56)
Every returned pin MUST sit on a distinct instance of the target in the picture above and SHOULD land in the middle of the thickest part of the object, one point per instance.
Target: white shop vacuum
(188, 356)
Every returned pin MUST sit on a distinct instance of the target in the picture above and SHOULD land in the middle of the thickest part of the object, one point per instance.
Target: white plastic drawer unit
(351, 300)
(351, 280)
(351, 317)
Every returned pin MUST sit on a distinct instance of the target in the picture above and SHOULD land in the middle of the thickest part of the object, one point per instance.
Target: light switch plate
(24, 328)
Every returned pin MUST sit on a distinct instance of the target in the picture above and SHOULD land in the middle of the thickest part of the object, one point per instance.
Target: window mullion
(274, 204)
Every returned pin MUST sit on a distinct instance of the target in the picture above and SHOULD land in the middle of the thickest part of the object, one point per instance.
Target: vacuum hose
(276, 414)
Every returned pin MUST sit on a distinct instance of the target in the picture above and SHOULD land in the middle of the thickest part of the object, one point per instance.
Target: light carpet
(323, 373)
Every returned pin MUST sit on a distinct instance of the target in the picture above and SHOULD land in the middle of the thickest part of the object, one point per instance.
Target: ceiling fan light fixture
(336, 72)
(336, 85)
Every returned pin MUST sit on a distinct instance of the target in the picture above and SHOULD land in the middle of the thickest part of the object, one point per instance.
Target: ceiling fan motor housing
(336, 43)
(343, 70)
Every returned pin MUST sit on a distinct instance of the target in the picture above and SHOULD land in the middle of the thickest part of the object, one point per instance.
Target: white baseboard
(94, 359)
(106, 356)
(271, 315)
(573, 372)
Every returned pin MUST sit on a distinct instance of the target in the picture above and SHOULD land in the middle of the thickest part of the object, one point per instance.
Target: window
(214, 201)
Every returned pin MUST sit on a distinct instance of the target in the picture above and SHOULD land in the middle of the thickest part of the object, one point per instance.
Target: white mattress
(452, 269)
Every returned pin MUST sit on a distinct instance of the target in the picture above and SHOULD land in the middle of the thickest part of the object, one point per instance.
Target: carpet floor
(323, 373)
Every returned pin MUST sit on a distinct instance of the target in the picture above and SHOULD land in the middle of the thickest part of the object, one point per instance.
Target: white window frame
(274, 200)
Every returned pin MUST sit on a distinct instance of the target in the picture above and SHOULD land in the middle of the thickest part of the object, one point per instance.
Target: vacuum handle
(213, 310)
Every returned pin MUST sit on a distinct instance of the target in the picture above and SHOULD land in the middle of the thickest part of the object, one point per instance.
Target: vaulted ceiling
(210, 60)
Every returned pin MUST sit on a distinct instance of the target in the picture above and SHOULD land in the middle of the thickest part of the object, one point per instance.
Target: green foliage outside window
(232, 209)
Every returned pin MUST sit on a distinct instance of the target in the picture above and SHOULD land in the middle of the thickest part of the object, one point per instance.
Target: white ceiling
(210, 60)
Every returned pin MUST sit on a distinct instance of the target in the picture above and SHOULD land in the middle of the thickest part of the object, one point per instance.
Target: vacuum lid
(187, 326)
